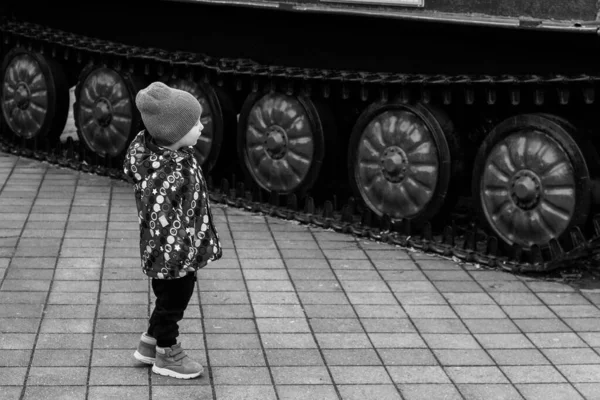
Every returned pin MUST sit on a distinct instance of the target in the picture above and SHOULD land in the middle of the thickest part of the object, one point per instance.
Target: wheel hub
(22, 96)
(526, 189)
(103, 112)
(276, 142)
(394, 164)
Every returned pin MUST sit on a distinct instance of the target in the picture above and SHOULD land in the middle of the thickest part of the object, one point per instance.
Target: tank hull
(319, 40)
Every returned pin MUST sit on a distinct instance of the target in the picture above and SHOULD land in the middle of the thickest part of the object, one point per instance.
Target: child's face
(192, 136)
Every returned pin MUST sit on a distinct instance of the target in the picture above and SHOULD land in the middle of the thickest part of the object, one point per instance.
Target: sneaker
(172, 361)
(146, 351)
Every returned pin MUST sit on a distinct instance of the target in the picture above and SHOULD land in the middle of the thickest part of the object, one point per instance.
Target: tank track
(462, 242)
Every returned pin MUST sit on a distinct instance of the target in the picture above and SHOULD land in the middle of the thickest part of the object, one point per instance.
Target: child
(177, 234)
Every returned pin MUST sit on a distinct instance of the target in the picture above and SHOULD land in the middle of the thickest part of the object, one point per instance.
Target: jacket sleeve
(168, 223)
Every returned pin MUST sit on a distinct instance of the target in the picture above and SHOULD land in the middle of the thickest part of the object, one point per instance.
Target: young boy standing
(177, 234)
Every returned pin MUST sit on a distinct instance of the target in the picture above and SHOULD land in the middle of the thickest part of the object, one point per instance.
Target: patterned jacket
(177, 234)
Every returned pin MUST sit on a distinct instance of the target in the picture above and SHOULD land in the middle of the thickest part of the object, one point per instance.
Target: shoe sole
(173, 374)
(144, 359)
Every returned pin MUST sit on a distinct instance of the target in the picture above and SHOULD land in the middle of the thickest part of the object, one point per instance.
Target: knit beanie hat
(168, 114)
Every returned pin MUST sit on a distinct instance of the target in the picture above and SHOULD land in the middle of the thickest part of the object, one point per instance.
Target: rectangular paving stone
(70, 325)
(549, 340)
(15, 285)
(12, 376)
(70, 311)
(313, 375)
(331, 298)
(124, 311)
(29, 274)
(237, 358)
(57, 376)
(576, 311)
(583, 324)
(288, 341)
(591, 338)
(572, 356)
(429, 391)
(516, 299)
(354, 357)
(282, 325)
(450, 341)
(504, 286)
(317, 286)
(468, 298)
(463, 357)
(529, 312)
(504, 341)
(489, 391)
(21, 310)
(359, 375)
(228, 311)
(581, 373)
(407, 357)
(417, 374)
(272, 311)
(168, 388)
(430, 311)
(115, 340)
(343, 341)
(518, 357)
(479, 311)
(225, 326)
(544, 286)
(117, 392)
(441, 325)
(17, 341)
(121, 325)
(533, 374)
(64, 341)
(478, 374)
(61, 358)
(224, 298)
(232, 341)
(348, 325)
(562, 299)
(549, 391)
(397, 340)
(500, 325)
(339, 311)
(241, 376)
(412, 287)
(294, 357)
(10, 393)
(306, 392)
(14, 358)
(432, 298)
(364, 274)
(379, 311)
(541, 325)
(19, 325)
(118, 376)
(63, 392)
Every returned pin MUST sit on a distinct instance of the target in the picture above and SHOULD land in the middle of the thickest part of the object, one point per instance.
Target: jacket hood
(145, 157)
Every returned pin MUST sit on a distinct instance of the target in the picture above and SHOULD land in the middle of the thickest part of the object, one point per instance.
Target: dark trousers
(172, 298)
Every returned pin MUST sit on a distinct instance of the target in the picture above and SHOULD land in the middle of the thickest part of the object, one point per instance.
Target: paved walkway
(290, 312)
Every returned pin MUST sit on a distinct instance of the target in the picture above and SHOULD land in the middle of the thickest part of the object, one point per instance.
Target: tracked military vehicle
(414, 109)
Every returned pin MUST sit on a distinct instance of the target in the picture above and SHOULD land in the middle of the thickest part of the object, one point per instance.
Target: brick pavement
(290, 312)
